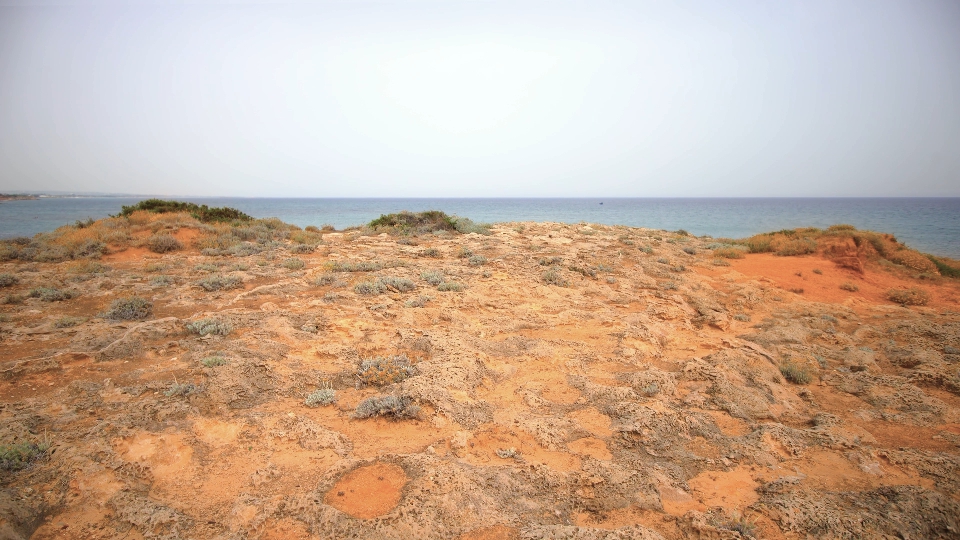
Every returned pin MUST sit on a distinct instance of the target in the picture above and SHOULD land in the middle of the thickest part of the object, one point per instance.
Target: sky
(421, 98)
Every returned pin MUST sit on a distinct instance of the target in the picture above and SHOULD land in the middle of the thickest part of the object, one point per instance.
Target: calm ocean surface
(930, 225)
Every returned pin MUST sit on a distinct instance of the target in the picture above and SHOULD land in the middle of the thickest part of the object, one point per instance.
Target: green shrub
(17, 456)
(213, 361)
(466, 226)
(293, 264)
(220, 282)
(451, 286)
(909, 297)
(415, 222)
(200, 212)
(477, 260)
(161, 281)
(795, 373)
(163, 243)
(945, 269)
(209, 326)
(302, 248)
(129, 309)
(395, 406)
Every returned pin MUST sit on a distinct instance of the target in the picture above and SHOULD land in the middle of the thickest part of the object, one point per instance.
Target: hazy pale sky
(482, 98)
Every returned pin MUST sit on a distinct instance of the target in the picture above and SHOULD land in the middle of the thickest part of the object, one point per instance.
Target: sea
(931, 225)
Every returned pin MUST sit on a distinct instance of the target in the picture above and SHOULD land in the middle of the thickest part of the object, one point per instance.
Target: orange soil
(825, 287)
(368, 492)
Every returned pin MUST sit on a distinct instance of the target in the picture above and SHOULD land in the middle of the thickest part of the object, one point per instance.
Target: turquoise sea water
(930, 225)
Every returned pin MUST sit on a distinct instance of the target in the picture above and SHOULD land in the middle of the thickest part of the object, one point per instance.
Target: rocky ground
(543, 381)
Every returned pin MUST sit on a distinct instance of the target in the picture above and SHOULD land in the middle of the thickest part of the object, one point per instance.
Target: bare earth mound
(255, 380)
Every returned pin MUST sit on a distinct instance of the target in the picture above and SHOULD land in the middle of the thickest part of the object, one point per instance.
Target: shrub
(220, 282)
(51, 294)
(720, 262)
(17, 456)
(395, 406)
(646, 249)
(161, 281)
(163, 243)
(213, 361)
(847, 286)
(384, 284)
(689, 250)
(728, 253)
(129, 309)
(181, 389)
(68, 322)
(418, 302)
(208, 326)
(302, 248)
(293, 263)
(795, 373)
(451, 286)
(362, 266)
(432, 277)
(554, 277)
(431, 252)
(466, 226)
(384, 371)
(8, 280)
(550, 261)
(397, 284)
(908, 297)
(369, 288)
(87, 267)
(321, 397)
(742, 317)
(325, 279)
(477, 260)
(415, 222)
(796, 247)
(465, 252)
(200, 212)
(915, 260)
(945, 269)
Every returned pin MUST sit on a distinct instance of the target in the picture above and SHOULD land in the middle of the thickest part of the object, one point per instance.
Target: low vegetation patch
(451, 286)
(220, 283)
(847, 286)
(414, 222)
(398, 407)
(209, 326)
(213, 361)
(129, 309)
(68, 322)
(384, 371)
(199, 212)
(795, 373)
(18, 456)
(553, 276)
(293, 264)
(728, 253)
(51, 294)
(322, 397)
(181, 389)
(384, 284)
(8, 280)
(163, 243)
(909, 297)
